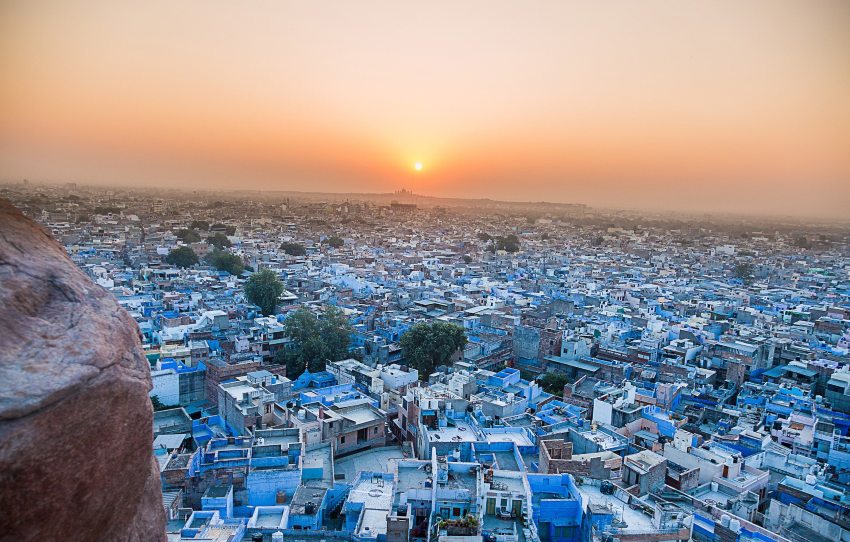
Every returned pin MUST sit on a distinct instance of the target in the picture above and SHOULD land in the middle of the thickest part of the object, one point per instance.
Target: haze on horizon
(736, 106)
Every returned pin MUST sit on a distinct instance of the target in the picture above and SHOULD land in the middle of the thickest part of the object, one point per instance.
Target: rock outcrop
(76, 459)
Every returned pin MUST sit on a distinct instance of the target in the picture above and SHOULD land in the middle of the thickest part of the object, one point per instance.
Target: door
(491, 506)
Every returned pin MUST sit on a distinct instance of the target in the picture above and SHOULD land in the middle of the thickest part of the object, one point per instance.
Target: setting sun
(417, 166)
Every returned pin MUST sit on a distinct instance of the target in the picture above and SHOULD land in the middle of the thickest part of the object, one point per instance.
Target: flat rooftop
(511, 484)
(506, 460)
(517, 437)
(461, 432)
(634, 520)
(413, 474)
(603, 440)
(376, 494)
(304, 495)
(362, 415)
(217, 492)
(374, 460)
(269, 518)
(499, 526)
(238, 390)
(277, 438)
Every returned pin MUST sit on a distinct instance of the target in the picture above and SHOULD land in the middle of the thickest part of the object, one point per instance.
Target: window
(342, 440)
(376, 430)
(456, 512)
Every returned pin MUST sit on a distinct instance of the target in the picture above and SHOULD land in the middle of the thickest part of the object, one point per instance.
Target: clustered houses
(625, 377)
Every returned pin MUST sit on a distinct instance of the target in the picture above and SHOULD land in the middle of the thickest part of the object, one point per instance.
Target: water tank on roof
(301, 415)
(735, 525)
(257, 537)
(724, 520)
(714, 486)
(811, 479)
(277, 537)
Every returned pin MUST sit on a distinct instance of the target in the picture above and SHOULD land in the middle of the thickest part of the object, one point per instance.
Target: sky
(737, 106)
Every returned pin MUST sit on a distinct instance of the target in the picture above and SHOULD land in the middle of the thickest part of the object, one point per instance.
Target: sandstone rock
(76, 459)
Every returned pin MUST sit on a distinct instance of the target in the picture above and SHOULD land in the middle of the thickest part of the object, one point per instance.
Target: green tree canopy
(293, 249)
(219, 240)
(315, 340)
(106, 210)
(802, 241)
(182, 257)
(743, 271)
(263, 289)
(188, 236)
(225, 261)
(427, 345)
(228, 230)
(158, 404)
(553, 383)
(509, 243)
(202, 225)
(334, 241)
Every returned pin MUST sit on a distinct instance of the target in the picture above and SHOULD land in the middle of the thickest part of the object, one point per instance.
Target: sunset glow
(645, 104)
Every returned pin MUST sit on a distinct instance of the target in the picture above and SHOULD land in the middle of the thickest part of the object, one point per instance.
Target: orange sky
(729, 105)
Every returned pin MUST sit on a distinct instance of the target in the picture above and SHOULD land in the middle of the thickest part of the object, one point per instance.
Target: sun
(417, 166)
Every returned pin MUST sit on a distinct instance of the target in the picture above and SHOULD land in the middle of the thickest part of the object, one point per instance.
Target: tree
(801, 241)
(202, 225)
(225, 261)
(219, 240)
(182, 257)
(228, 230)
(508, 243)
(334, 241)
(467, 258)
(315, 340)
(106, 210)
(293, 249)
(188, 236)
(158, 404)
(263, 289)
(743, 271)
(427, 345)
(553, 383)
(483, 236)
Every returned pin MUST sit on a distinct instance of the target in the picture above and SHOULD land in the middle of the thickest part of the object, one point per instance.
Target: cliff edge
(76, 459)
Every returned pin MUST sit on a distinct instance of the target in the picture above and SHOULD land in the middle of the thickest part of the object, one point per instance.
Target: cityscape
(445, 271)
(398, 368)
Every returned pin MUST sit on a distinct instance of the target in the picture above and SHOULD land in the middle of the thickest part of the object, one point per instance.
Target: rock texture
(76, 459)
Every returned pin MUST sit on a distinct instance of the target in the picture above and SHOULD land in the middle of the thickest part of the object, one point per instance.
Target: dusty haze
(735, 106)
